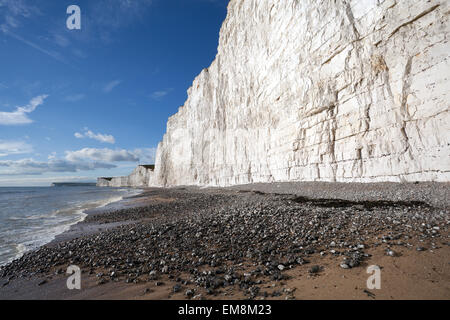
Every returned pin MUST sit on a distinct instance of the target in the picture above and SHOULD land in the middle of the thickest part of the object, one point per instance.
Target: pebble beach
(260, 241)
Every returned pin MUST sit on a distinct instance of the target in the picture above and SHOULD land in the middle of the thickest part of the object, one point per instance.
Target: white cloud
(146, 155)
(111, 85)
(14, 147)
(105, 138)
(142, 155)
(107, 155)
(32, 167)
(20, 116)
(160, 94)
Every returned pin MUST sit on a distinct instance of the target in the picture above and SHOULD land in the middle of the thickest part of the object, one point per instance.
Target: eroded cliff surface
(141, 176)
(317, 90)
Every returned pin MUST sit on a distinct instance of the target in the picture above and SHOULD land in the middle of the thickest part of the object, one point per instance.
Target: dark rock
(314, 269)
(176, 288)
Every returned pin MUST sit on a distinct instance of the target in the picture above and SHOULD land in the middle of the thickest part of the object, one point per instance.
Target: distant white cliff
(311, 90)
(141, 176)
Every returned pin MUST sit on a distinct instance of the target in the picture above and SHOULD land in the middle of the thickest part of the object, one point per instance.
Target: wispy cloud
(61, 40)
(105, 138)
(12, 11)
(75, 97)
(111, 85)
(105, 17)
(12, 15)
(79, 53)
(52, 156)
(161, 94)
(14, 147)
(53, 54)
(32, 167)
(20, 116)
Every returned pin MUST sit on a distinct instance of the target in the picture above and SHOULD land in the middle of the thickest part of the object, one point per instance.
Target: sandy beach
(260, 241)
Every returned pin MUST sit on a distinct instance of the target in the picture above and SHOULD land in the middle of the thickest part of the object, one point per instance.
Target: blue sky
(78, 104)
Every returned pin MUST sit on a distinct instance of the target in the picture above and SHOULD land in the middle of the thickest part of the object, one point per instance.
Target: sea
(33, 216)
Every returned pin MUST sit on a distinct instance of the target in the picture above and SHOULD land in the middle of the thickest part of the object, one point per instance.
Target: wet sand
(261, 241)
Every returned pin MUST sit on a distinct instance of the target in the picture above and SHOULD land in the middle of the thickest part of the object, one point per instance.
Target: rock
(344, 266)
(254, 291)
(189, 293)
(391, 253)
(314, 269)
(301, 261)
(276, 293)
(421, 249)
(176, 288)
(281, 267)
(42, 282)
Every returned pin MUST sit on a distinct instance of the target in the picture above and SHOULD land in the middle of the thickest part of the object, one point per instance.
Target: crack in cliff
(351, 18)
(332, 145)
(404, 102)
(334, 55)
(420, 15)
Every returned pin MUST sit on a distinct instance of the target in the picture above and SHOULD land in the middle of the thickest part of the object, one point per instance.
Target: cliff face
(141, 176)
(308, 90)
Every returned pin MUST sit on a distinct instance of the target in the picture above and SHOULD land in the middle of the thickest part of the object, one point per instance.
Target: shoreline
(71, 230)
(194, 217)
(78, 229)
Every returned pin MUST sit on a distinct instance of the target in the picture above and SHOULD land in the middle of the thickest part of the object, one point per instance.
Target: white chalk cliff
(141, 176)
(310, 90)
